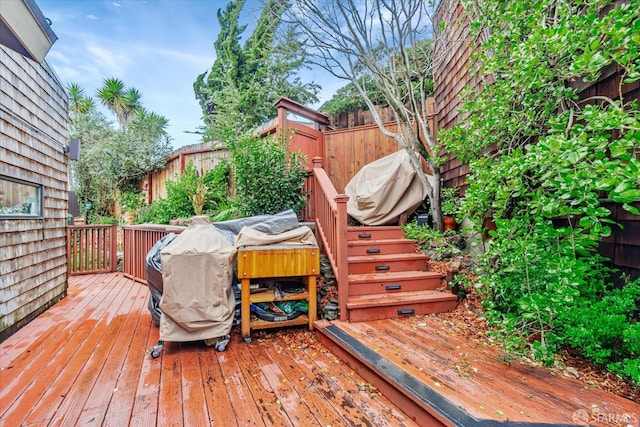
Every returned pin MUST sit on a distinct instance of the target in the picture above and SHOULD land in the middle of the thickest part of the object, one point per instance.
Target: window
(19, 198)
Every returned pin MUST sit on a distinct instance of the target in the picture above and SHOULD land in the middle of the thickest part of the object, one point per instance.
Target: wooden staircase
(388, 276)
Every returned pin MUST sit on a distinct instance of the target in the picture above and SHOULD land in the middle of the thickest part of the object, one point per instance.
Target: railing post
(113, 255)
(342, 275)
(69, 231)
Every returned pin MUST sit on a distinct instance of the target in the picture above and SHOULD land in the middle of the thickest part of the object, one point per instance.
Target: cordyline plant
(543, 160)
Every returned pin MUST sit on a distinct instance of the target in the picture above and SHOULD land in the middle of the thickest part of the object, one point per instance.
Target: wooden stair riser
(392, 285)
(388, 277)
(374, 233)
(391, 312)
(381, 247)
(394, 265)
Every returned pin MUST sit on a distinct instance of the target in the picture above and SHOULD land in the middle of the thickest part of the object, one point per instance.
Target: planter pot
(449, 222)
(488, 224)
(129, 217)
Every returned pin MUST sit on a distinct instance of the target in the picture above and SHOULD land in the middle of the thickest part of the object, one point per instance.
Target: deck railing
(137, 241)
(330, 210)
(92, 249)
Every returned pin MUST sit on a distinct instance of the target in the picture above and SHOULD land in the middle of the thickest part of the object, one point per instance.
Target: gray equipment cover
(383, 190)
(197, 272)
(269, 224)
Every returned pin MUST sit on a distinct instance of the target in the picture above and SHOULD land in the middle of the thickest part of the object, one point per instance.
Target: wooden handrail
(331, 223)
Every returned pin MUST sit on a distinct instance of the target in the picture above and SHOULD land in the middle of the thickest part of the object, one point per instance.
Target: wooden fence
(205, 156)
(92, 249)
(348, 150)
(137, 241)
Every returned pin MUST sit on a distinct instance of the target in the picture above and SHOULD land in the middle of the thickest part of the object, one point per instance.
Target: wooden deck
(424, 365)
(85, 362)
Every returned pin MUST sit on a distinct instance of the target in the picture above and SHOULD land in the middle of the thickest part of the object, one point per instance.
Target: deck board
(85, 362)
(469, 380)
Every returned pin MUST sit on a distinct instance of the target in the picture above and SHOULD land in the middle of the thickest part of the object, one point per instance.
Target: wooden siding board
(33, 128)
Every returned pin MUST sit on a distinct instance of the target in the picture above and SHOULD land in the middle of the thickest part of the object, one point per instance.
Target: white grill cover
(381, 191)
(197, 272)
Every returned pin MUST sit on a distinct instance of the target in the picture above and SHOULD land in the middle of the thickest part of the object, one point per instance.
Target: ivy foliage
(539, 153)
(267, 179)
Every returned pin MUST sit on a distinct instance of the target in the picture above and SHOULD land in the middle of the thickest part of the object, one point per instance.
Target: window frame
(39, 188)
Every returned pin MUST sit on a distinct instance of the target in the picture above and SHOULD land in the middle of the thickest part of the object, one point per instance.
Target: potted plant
(130, 202)
(449, 203)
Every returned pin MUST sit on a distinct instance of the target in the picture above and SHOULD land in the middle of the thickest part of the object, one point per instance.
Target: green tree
(267, 179)
(79, 103)
(348, 99)
(123, 102)
(238, 93)
(114, 159)
(91, 180)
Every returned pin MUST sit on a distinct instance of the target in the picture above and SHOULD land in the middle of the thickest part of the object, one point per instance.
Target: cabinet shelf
(268, 296)
(277, 261)
(303, 319)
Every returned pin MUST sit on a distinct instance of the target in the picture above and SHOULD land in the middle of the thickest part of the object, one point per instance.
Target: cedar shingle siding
(33, 132)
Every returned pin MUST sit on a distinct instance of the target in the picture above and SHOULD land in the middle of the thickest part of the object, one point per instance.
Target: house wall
(33, 132)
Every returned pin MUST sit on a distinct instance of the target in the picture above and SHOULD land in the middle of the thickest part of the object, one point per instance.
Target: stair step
(387, 263)
(393, 282)
(383, 246)
(375, 233)
(388, 306)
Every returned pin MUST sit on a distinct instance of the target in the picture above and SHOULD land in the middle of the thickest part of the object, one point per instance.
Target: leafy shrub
(266, 178)
(212, 188)
(547, 288)
(537, 152)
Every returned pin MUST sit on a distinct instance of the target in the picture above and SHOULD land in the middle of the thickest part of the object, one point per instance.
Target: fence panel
(92, 249)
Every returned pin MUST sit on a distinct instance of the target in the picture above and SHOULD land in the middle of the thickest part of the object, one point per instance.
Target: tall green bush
(211, 188)
(266, 178)
(538, 153)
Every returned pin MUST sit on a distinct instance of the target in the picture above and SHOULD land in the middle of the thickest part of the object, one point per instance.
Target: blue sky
(156, 46)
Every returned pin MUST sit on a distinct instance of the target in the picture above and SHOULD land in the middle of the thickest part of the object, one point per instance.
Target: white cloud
(91, 17)
(108, 61)
(116, 4)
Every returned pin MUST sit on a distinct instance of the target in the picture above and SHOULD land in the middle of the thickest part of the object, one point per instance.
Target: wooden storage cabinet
(277, 261)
